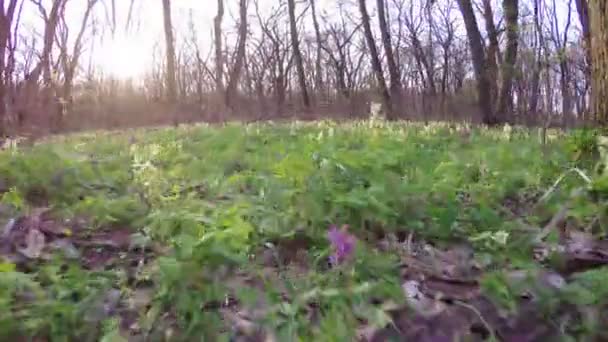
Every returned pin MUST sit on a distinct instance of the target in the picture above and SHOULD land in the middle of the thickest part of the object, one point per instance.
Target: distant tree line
(539, 62)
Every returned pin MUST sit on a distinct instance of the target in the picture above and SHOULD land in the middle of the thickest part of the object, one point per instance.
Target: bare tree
(505, 99)
(235, 73)
(376, 64)
(7, 56)
(526, 51)
(51, 20)
(297, 54)
(219, 57)
(341, 36)
(599, 59)
(413, 23)
(170, 52)
(582, 7)
(318, 57)
(69, 60)
(393, 71)
(479, 61)
(275, 53)
(539, 45)
(493, 55)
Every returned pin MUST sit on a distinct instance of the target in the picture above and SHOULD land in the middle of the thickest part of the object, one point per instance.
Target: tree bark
(539, 45)
(70, 60)
(479, 64)
(598, 10)
(376, 64)
(219, 59)
(318, 66)
(297, 54)
(582, 7)
(235, 74)
(393, 70)
(6, 21)
(493, 58)
(511, 10)
(170, 53)
(51, 20)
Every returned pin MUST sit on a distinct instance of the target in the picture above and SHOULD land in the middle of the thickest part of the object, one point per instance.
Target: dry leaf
(35, 243)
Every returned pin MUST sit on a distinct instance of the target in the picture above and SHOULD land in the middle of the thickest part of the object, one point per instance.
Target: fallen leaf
(8, 228)
(35, 243)
(116, 238)
(141, 298)
(422, 304)
(103, 307)
(67, 247)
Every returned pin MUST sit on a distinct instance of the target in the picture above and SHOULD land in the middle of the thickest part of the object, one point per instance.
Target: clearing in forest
(325, 231)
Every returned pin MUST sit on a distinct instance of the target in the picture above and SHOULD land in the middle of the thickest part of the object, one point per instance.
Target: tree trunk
(493, 52)
(44, 65)
(376, 64)
(511, 10)
(582, 7)
(235, 75)
(70, 61)
(598, 10)
(297, 54)
(6, 21)
(170, 53)
(388, 50)
(539, 44)
(318, 66)
(565, 88)
(219, 60)
(479, 63)
(51, 22)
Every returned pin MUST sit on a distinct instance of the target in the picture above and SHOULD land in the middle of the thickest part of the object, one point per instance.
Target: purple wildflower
(343, 244)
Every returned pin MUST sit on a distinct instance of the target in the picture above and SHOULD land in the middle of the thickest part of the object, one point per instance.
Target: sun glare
(124, 58)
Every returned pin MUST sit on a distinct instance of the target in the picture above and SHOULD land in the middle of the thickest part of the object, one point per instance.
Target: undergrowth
(220, 218)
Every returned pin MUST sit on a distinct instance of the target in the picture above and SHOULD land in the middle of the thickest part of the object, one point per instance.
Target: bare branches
(285, 53)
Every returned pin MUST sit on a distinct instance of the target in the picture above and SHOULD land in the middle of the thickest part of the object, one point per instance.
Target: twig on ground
(410, 237)
(483, 320)
(557, 218)
(552, 189)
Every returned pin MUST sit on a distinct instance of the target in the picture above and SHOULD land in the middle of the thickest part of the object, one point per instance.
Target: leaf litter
(448, 286)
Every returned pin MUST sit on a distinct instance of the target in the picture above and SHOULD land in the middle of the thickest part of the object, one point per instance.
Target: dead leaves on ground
(38, 237)
(446, 300)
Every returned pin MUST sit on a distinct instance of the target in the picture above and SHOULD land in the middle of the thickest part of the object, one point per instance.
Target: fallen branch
(552, 189)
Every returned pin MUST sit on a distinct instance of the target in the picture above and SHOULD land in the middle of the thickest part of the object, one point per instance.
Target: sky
(129, 53)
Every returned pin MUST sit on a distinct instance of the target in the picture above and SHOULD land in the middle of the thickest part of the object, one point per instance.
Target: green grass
(240, 214)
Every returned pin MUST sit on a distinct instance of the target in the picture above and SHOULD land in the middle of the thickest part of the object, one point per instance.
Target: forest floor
(332, 232)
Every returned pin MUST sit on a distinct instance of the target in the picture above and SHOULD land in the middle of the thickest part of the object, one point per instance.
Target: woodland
(519, 62)
(297, 170)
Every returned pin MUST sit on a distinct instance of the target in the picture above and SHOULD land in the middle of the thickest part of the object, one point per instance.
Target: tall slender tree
(582, 8)
(376, 64)
(318, 57)
(239, 59)
(479, 61)
(170, 53)
(598, 10)
(219, 59)
(297, 54)
(385, 31)
(7, 17)
(505, 99)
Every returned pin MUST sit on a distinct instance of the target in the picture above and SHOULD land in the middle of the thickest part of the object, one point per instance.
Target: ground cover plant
(300, 231)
